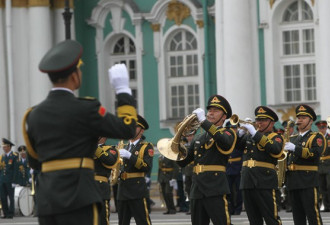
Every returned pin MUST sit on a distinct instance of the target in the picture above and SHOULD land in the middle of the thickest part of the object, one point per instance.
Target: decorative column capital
(2, 3)
(155, 27)
(200, 23)
(34, 3)
(19, 3)
(60, 4)
(177, 11)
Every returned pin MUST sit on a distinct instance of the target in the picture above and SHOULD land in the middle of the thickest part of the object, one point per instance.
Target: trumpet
(234, 120)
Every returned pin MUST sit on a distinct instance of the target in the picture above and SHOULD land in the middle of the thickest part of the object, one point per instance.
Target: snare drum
(24, 202)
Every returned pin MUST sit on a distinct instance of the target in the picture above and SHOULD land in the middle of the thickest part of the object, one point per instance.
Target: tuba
(282, 162)
(116, 167)
(174, 148)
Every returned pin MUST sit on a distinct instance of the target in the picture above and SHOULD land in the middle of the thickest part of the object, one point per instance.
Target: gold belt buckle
(251, 163)
(198, 169)
(123, 176)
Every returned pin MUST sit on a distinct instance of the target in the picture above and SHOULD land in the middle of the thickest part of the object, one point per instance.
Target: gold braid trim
(117, 161)
(139, 162)
(232, 147)
(29, 147)
(128, 112)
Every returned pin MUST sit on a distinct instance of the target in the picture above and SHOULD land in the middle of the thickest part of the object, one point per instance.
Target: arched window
(298, 53)
(182, 74)
(123, 51)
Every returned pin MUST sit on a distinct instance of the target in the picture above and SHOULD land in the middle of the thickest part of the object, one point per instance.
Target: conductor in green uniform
(302, 177)
(210, 151)
(8, 178)
(62, 134)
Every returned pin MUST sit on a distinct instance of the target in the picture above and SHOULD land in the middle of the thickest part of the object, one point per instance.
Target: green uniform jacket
(305, 154)
(262, 148)
(324, 166)
(210, 148)
(139, 162)
(8, 168)
(23, 173)
(63, 127)
(167, 164)
(103, 160)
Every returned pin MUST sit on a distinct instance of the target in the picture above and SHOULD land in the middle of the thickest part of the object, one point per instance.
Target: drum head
(25, 201)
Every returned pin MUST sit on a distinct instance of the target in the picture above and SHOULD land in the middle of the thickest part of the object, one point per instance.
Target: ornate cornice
(177, 11)
(19, 3)
(200, 23)
(155, 27)
(33, 3)
(60, 4)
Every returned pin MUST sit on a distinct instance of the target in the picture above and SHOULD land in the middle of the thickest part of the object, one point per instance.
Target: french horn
(116, 167)
(174, 148)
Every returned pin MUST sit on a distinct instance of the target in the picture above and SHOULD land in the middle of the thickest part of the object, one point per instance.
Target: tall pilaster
(4, 128)
(238, 77)
(40, 37)
(324, 56)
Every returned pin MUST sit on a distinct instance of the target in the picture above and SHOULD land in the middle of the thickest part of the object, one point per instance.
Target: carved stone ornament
(200, 23)
(271, 3)
(60, 4)
(39, 3)
(287, 113)
(155, 27)
(19, 3)
(177, 11)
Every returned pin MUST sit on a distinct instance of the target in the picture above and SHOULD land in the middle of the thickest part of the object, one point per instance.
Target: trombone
(234, 120)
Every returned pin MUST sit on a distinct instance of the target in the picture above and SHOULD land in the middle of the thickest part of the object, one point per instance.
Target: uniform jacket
(210, 148)
(307, 152)
(267, 147)
(324, 166)
(23, 173)
(235, 167)
(63, 127)
(140, 161)
(103, 162)
(171, 167)
(8, 168)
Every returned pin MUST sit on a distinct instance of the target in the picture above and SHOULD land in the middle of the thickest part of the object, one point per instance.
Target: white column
(40, 36)
(20, 55)
(238, 79)
(324, 56)
(4, 128)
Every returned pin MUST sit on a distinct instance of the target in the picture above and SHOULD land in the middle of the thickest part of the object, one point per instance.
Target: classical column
(4, 128)
(238, 78)
(323, 52)
(40, 41)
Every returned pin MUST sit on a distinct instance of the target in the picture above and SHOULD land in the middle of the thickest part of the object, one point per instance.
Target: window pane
(291, 13)
(307, 13)
(132, 70)
(119, 46)
(131, 46)
(308, 41)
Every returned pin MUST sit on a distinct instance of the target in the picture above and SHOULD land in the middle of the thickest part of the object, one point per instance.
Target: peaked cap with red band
(305, 110)
(142, 123)
(219, 102)
(262, 112)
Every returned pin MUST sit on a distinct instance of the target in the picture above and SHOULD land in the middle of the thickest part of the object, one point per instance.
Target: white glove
(119, 79)
(147, 179)
(14, 185)
(124, 153)
(200, 114)
(250, 128)
(30, 180)
(289, 146)
(31, 171)
(241, 132)
(174, 183)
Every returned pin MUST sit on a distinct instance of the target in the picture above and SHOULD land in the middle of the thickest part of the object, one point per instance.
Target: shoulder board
(294, 135)
(146, 143)
(313, 132)
(87, 98)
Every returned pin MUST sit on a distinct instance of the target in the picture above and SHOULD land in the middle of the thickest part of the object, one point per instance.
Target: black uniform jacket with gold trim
(63, 127)
(104, 159)
(307, 152)
(210, 148)
(139, 162)
(167, 169)
(324, 165)
(265, 148)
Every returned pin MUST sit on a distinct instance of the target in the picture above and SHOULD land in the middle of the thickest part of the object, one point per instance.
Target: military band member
(167, 174)
(23, 172)
(302, 177)
(105, 158)
(233, 172)
(132, 188)
(8, 178)
(210, 151)
(259, 184)
(324, 166)
(63, 133)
